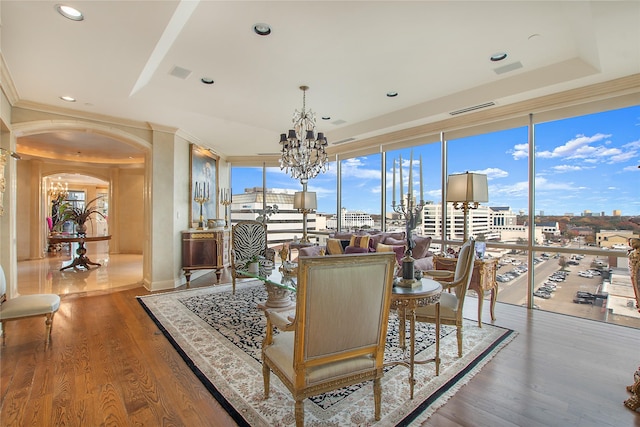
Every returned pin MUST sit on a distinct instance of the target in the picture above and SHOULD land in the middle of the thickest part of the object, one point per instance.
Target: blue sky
(584, 163)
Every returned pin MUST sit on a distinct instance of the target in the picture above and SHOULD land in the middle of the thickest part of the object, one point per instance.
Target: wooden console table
(81, 260)
(483, 279)
(205, 250)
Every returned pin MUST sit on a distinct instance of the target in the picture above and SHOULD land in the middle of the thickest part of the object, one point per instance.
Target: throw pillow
(399, 250)
(393, 241)
(360, 241)
(399, 235)
(377, 238)
(334, 247)
(355, 250)
(314, 250)
(422, 246)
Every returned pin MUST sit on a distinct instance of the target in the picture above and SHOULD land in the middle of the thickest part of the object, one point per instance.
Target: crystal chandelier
(57, 192)
(303, 154)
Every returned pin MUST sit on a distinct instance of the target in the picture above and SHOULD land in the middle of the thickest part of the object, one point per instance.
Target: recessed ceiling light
(498, 57)
(262, 29)
(326, 118)
(207, 80)
(69, 12)
(68, 98)
(392, 94)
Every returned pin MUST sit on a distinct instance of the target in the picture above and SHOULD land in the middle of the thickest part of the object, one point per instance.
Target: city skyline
(586, 163)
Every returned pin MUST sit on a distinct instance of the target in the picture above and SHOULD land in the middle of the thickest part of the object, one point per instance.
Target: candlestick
(410, 190)
(400, 165)
(393, 203)
(421, 186)
(226, 202)
(201, 198)
(410, 210)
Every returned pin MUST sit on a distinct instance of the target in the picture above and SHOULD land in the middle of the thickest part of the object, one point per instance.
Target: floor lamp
(467, 191)
(305, 202)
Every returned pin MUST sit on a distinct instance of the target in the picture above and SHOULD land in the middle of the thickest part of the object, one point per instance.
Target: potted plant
(253, 264)
(80, 215)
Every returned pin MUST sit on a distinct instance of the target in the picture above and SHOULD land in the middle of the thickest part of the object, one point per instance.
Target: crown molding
(6, 82)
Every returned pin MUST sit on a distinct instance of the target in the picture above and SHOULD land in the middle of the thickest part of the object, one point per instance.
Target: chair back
(248, 238)
(342, 309)
(464, 268)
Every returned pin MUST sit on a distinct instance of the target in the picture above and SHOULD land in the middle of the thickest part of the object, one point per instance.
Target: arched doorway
(91, 160)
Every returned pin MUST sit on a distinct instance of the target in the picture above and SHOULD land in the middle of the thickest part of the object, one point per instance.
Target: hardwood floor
(108, 364)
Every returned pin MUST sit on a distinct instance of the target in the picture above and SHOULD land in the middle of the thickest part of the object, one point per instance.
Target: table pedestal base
(82, 260)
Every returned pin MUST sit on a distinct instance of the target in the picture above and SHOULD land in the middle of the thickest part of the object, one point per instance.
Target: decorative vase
(254, 268)
(81, 228)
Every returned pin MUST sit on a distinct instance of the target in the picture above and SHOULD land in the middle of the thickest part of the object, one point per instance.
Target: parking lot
(560, 300)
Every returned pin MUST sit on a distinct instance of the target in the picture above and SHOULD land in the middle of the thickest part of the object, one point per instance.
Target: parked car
(542, 294)
(583, 301)
(585, 295)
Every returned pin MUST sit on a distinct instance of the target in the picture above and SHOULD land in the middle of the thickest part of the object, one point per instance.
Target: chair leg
(233, 281)
(266, 376)
(49, 326)
(377, 397)
(459, 335)
(4, 333)
(299, 413)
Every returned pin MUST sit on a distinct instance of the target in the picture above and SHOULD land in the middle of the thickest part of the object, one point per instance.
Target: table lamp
(467, 191)
(305, 202)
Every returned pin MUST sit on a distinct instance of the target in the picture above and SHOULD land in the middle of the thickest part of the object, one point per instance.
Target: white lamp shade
(305, 200)
(467, 187)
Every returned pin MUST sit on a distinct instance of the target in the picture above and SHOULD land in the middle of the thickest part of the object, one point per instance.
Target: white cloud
(520, 151)
(569, 168)
(355, 168)
(492, 173)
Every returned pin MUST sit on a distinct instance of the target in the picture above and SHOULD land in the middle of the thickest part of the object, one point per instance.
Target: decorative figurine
(633, 402)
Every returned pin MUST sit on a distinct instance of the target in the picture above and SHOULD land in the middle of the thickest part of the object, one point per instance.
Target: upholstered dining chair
(451, 303)
(338, 333)
(26, 306)
(248, 239)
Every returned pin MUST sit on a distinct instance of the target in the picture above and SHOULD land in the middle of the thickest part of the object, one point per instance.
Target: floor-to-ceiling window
(267, 193)
(361, 183)
(586, 190)
(560, 238)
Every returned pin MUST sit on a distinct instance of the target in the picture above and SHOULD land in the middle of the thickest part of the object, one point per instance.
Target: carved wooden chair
(338, 334)
(248, 239)
(24, 306)
(451, 304)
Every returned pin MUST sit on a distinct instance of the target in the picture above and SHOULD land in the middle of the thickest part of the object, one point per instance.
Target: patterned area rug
(219, 335)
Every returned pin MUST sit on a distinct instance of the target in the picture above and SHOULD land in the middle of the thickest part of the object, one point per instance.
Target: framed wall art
(203, 186)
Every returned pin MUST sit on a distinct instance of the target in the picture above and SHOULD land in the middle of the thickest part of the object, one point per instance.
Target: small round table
(81, 260)
(406, 300)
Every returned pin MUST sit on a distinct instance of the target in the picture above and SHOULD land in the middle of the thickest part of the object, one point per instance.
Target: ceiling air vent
(508, 67)
(179, 72)
(475, 107)
(269, 154)
(343, 141)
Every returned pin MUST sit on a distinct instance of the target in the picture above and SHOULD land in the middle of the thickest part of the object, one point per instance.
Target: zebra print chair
(248, 238)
